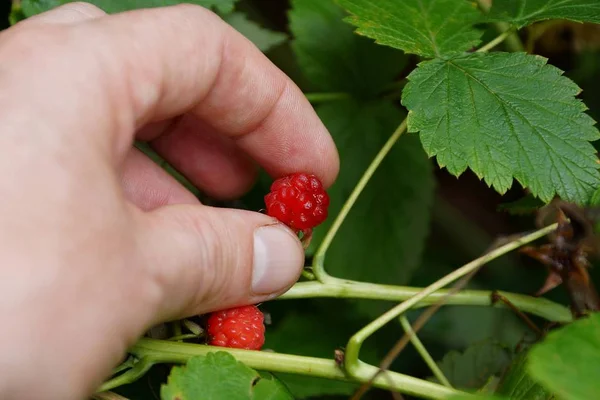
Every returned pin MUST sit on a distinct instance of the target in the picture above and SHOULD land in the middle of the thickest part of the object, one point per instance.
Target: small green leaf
(472, 368)
(263, 38)
(220, 376)
(568, 360)
(32, 7)
(525, 12)
(517, 384)
(386, 245)
(429, 28)
(506, 115)
(333, 58)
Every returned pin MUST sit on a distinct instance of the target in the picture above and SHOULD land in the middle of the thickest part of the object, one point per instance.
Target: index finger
(163, 62)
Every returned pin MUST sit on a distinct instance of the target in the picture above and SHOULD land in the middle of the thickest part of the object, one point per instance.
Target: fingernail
(278, 259)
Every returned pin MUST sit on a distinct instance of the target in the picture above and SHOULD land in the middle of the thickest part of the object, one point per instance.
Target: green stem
(160, 351)
(326, 97)
(319, 258)
(513, 42)
(183, 336)
(494, 42)
(132, 375)
(358, 290)
(355, 342)
(414, 339)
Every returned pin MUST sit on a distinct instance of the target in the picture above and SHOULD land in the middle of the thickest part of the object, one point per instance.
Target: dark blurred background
(466, 220)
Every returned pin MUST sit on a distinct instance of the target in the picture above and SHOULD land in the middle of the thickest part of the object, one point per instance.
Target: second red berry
(239, 327)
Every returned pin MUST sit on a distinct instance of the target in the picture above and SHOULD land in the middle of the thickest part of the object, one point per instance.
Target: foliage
(220, 376)
(399, 84)
(568, 361)
(476, 365)
(505, 115)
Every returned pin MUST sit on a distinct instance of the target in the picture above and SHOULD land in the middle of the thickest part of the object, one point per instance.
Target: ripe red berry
(299, 201)
(239, 327)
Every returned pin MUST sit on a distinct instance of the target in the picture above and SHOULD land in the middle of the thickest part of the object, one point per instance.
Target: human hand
(97, 243)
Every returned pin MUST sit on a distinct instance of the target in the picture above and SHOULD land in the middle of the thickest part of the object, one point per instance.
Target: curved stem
(416, 342)
(136, 372)
(160, 351)
(355, 342)
(319, 258)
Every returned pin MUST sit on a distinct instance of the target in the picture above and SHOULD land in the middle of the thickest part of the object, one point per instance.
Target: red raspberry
(239, 327)
(299, 201)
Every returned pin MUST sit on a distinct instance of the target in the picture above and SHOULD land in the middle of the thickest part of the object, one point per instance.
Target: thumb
(204, 258)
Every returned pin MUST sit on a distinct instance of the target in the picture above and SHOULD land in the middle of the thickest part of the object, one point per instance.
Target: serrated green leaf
(333, 58)
(525, 12)
(517, 384)
(220, 376)
(429, 28)
(33, 7)
(567, 362)
(595, 199)
(386, 246)
(505, 116)
(472, 368)
(263, 38)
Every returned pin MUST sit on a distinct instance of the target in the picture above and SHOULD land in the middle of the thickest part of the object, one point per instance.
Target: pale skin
(97, 243)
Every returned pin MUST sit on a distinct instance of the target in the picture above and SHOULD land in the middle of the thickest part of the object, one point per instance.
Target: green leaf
(220, 376)
(333, 58)
(33, 7)
(382, 238)
(429, 28)
(472, 368)
(525, 12)
(568, 360)
(505, 115)
(517, 384)
(263, 38)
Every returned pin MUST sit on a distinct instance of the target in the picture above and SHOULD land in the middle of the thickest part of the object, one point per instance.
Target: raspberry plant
(399, 83)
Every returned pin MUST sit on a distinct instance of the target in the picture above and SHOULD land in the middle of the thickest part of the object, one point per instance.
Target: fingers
(205, 259)
(68, 14)
(150, 65)
(148, 186)
(212, 162)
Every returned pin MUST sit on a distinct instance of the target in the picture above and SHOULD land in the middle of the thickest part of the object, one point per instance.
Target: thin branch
(318, 262)
(354, 344)
(370, 291)
(326, 97)
(161, 351)
(416, 342)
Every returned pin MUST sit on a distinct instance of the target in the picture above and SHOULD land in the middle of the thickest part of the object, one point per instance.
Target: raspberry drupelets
(240, 328)
(299, 201)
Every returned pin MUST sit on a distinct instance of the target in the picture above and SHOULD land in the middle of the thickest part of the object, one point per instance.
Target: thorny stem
(160, 351)
(352, 361)
(416, 342)
(319, 259)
